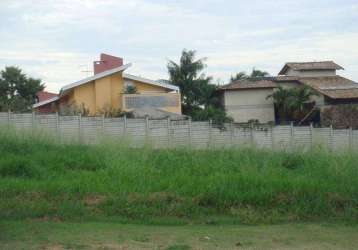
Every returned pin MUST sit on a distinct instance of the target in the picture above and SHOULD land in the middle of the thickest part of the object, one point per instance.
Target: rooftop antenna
(86, 70)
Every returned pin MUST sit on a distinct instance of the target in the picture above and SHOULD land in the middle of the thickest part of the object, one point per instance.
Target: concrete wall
(245, 105)
(170, 134)
(307, 73)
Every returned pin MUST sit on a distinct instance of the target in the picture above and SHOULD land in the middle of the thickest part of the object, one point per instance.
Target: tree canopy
(17, 91)
(292, 104)
(200, 99)
(254, 73)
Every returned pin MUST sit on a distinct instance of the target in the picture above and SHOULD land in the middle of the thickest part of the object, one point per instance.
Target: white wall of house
(310, 73)
(247, 104)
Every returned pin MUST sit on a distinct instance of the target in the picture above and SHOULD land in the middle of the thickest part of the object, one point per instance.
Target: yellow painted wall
(117, 89)
(145, 87)
(103, 93)
(85, 95)
(71, 96)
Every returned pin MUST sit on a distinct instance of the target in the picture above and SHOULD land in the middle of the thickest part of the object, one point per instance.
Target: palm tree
(258, 73)
(187, 76)
(300, 98)
(200, 100)
(282, 99)
(239, 76)
(291, 103)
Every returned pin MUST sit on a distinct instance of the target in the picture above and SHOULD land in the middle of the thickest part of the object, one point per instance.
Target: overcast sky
(58, 40)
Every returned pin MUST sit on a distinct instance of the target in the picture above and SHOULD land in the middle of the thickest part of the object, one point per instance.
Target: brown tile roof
(323, 65)
(283, 78)
(335, 87)
(251, 83)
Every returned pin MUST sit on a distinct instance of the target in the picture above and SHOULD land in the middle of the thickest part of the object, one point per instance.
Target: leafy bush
(217, 115)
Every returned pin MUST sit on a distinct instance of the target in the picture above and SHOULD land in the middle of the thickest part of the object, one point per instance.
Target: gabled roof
(304, 66)
(251, 83)
(93, 78)
(156, 83)
(39, 104)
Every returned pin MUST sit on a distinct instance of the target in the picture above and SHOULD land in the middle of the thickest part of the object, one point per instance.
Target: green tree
(17, 91)
(200, 99)
(239, 76)
(254, 74)
(282, 99)
(292, 104)
(188, 77)
(299, 101)
(258, 73)
(300, 97)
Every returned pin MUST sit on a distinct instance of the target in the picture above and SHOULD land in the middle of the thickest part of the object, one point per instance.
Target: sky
(57, 40)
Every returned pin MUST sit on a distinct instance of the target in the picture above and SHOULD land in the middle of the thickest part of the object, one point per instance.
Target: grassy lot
(40, 178)
(40, 234)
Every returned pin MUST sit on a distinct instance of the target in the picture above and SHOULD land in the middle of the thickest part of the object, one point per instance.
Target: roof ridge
(95, 77)
(312, 62)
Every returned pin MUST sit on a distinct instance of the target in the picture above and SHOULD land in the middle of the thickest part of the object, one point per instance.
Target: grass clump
(41, 178)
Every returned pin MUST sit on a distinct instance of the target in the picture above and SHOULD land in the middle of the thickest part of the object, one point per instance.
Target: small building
(246, 99)
(107, 91)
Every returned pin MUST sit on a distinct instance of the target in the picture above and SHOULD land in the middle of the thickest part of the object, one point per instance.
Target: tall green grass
(41, 178)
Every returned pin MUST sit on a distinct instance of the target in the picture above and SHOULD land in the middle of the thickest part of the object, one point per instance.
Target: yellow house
(106, 91)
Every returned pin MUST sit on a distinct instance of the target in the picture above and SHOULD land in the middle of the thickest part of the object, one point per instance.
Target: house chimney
(106, 62)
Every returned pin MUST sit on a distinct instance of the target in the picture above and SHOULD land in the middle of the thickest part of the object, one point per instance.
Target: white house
(246, 99)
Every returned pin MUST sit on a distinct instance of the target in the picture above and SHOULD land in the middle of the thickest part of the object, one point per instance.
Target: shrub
(15, 166)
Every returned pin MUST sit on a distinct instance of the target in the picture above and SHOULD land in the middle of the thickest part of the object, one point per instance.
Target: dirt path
(60, 235)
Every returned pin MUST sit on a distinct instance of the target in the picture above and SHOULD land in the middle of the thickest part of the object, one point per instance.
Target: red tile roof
(44, 95)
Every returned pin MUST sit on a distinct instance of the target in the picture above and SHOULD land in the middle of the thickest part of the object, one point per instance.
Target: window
(151, 101)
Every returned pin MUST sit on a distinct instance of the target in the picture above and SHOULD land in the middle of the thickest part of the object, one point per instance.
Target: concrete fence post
(232, 134)
(124, 125)
(252, 139)
(58, 135)
(103, 124)
(33, 120)
(210, 133)
(189, 132)
(169, 132)
(292, 138)
(331, 146)
(147, 128)
(350, 138)
(311, 134)
(9, 118)
(272, 137)
(79, 128)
